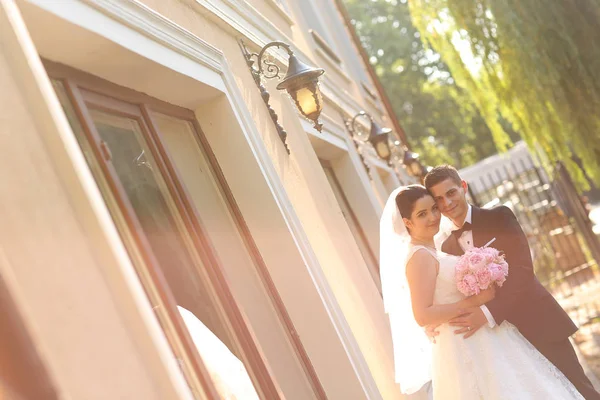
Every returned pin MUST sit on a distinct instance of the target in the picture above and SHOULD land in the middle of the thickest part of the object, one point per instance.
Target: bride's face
(424, 221)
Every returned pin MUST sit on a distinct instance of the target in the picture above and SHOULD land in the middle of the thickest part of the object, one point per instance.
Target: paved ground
(584, 307)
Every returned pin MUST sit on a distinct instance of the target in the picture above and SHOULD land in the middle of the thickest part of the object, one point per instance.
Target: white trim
(143, 19)
(376, 162)
(334, 126)
(403, 175)
(252, 26)
(338, 68)
(364, 178)
(326, 135)
(379, 185)
(374, 103)
(281, 10)
(337, 135)
(333, 132)
(157, 28)
(138, 28)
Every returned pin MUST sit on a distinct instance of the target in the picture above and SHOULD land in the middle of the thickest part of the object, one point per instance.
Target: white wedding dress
(495, 363)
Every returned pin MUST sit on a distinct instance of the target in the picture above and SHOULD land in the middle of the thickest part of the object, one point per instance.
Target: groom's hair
(440, 174)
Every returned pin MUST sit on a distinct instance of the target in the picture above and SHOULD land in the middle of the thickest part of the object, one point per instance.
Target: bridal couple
(505, 343)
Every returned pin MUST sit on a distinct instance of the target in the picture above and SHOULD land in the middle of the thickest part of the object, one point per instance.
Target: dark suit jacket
(522, 300)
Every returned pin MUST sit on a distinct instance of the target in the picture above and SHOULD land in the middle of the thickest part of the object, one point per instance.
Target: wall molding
(246, 21)
(143, 19)
(281, 10)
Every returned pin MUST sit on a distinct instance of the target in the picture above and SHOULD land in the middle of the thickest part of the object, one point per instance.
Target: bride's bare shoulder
(421, 259)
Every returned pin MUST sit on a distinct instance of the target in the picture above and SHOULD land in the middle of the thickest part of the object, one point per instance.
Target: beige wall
(306, 189)
(60, 254)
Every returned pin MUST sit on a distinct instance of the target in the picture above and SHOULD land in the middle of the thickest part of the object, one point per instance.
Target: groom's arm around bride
(521, 285)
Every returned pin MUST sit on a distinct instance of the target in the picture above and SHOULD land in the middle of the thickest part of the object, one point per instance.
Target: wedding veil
(412, 348)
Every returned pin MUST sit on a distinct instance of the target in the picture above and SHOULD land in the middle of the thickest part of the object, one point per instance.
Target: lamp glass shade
(302, 84)
(411, 162)
(383, 150)
(415, 168)
(309, 101)
(379, 138)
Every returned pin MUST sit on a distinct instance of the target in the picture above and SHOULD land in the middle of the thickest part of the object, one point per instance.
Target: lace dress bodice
(445, 287)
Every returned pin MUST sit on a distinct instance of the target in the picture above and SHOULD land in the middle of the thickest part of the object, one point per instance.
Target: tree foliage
(442, 122)
(535, 63)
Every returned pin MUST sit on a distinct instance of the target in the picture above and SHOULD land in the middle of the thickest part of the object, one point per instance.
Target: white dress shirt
(466, 242)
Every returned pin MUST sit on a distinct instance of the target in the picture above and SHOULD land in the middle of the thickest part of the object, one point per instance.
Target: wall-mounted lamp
(413, 164)
(301, 82)
(378, 136)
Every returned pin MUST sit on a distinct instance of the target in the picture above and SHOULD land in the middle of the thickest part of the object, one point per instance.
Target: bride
(418, 288)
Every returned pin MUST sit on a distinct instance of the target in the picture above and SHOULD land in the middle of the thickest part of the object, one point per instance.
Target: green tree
(535, 63)
(440, 119)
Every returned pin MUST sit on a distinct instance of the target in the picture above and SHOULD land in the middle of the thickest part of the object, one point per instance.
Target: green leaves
(539, 68)
(443, 123)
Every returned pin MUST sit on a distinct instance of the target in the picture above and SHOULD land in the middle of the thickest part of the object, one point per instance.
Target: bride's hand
(483, 297)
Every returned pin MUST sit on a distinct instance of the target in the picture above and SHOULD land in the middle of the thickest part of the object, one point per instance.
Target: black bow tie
(466, 227)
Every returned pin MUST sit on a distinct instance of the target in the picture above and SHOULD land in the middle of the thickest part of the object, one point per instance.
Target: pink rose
(475, 258)
(504, 266)
(484, 277)
(472, 284)
(490, 254)
(463, 288)
(462, 266)
(496, 272)
(476, 261)
(501, 281)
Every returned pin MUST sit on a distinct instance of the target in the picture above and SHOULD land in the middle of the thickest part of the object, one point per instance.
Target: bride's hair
(407, 197)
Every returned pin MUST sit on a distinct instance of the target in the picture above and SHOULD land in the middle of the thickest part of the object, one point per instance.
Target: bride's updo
(407, 197)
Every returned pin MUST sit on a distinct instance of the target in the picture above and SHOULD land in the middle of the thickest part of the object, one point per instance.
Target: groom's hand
(432, 332)
(470, 322)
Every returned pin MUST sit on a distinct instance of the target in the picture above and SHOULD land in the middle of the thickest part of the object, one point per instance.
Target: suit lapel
(477, 227)
(451, 246)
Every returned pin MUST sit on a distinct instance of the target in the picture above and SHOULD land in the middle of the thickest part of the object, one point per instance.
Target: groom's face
(451, 199)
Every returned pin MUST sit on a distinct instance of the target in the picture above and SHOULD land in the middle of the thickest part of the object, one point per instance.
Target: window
(127, 146)
(352, 221)
(368, 90)
(318, 30)
(324, 46)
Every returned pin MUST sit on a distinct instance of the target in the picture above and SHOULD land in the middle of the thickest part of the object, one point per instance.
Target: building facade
(146, 189)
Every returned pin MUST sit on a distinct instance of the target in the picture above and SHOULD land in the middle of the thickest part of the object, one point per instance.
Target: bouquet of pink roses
(478, 268)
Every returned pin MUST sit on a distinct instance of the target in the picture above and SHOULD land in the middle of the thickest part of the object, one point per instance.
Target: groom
(522, 300)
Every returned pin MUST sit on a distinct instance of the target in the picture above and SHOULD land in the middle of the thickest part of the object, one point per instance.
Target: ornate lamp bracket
(270, 70)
